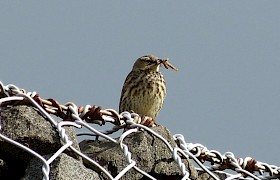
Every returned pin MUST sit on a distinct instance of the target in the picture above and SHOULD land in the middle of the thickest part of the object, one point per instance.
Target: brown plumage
(144, 89)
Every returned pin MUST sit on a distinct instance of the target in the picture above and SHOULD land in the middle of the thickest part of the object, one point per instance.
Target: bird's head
(151, 63)
(147, 62)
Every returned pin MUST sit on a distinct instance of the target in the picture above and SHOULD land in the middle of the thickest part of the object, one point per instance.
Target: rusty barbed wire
(247, 167)
(91, 114)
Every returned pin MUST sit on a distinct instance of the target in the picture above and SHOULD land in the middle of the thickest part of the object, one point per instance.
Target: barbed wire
(78, 117)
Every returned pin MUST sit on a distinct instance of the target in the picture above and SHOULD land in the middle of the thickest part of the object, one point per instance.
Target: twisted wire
(78, 117)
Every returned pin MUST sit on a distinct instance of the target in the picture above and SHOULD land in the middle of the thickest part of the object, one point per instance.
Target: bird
(144, 89)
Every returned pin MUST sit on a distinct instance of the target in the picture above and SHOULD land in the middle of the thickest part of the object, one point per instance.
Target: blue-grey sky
(226, 94)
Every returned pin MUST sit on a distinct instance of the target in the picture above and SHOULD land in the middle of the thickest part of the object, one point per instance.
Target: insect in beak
(167, 65)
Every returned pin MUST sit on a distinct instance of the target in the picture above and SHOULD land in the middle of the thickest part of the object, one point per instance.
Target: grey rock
(26, 125)
(4, 173)
(63, 167)
(149, 152)
(204, 176)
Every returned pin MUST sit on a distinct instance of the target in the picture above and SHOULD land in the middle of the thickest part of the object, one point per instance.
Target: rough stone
(4, 173)
(149, 152)
(63, 167)
(26, 125)
(204, 176)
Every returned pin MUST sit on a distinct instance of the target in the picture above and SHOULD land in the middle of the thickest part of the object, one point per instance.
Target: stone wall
(25, 125)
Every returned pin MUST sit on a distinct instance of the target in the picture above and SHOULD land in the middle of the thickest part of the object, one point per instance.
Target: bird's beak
(159, 61)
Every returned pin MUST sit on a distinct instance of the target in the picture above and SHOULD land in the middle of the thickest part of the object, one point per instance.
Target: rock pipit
(144, 89)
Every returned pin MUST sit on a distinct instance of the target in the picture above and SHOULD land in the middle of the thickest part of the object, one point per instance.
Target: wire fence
(78, 117)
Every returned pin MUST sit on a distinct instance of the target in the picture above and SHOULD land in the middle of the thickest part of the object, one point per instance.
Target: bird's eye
(148, 61)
